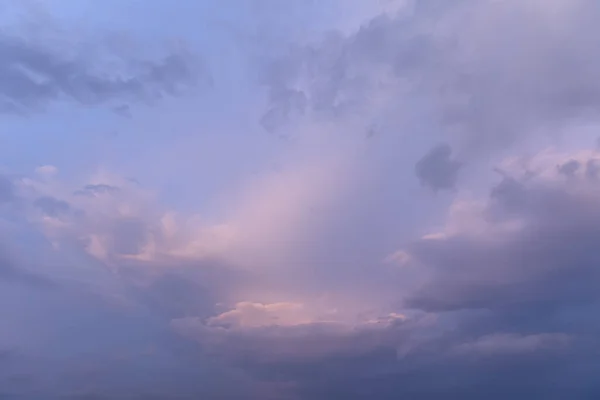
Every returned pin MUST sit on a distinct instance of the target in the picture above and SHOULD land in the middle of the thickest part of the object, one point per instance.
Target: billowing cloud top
(327, 200)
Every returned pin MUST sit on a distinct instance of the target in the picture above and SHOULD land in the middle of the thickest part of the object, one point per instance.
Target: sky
(303, 200)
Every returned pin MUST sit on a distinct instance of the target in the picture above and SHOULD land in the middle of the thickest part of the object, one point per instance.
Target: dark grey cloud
(97, 190)
(52, 206)
(179, 294)
(124, 110)
(34, 75)
(569, 168)
(482, 88)
(549, 262)
(437, 169)
(592, 169)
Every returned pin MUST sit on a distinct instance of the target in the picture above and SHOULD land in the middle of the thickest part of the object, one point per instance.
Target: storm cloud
(437, 169)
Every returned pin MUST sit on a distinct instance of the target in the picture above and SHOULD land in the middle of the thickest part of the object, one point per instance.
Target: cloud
(247, 314)
(96, 189)
(260, 341)
(117, 221)
(101, 332)
(522, 276)
(397, 357)
(447, 62)
(498, 306)
(535, 249)
(36, 73)
(437, 169)
(510, 343)
(569, 168)
(51, 206)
